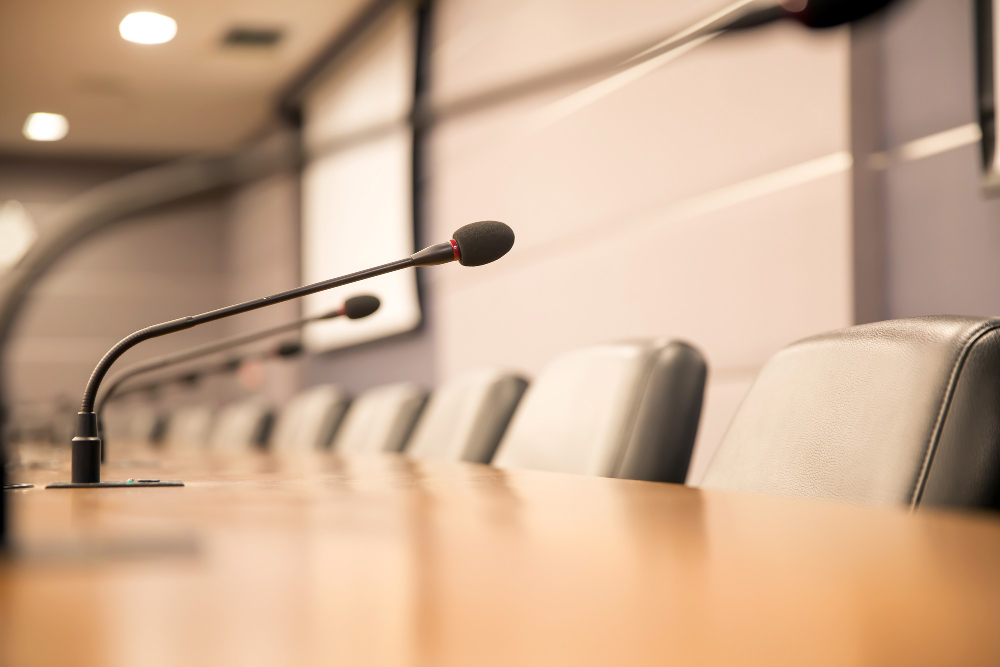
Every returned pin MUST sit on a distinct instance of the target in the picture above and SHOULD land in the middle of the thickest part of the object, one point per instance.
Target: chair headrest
(895, 412)
(608, 409)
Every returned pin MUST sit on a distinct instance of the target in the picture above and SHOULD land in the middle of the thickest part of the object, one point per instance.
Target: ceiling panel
(189, 95)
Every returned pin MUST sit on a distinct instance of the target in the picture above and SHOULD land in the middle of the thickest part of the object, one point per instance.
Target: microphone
(288, 349)
(355, 308)
(474, 244)
(192, 377)
(817, 14)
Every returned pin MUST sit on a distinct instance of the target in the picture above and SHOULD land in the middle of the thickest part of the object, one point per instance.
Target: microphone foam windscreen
(361, 306)
(289, 348)
(483, 242)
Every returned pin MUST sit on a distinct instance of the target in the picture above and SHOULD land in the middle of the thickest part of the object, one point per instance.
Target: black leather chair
(626, 410)
(903, 412)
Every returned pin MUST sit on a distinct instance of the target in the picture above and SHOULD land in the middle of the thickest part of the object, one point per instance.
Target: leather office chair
(466, 417)
(307, 423)
(241, 426)
(627, 410)
(189, 427)
(904, 412)
(380, 420)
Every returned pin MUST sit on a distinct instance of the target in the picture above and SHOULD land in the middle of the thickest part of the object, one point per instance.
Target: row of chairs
(903, 412)
(627, 409)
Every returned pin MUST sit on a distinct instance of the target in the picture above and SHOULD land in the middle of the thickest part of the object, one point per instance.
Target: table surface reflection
(382, 560)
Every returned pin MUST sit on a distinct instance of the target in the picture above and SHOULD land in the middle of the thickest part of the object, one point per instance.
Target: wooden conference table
(386, 561)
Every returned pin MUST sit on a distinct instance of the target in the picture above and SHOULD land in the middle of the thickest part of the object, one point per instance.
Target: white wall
(708, 199)
(357, 203)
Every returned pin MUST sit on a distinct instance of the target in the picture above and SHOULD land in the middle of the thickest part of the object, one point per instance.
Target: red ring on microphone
(454, 249)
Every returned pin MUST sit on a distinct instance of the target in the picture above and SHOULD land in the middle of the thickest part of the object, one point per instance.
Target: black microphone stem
(226, 366)
(180, 324)
(87, 443)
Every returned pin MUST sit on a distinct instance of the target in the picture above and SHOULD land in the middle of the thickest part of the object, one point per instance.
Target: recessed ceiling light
(46, 127)
(147, 28)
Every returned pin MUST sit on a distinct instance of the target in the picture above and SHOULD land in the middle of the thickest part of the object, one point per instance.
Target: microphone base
(119, 484)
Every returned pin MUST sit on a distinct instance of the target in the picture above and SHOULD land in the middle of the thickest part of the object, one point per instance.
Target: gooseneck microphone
(818, 14)
(474, 244)
(815, 14)
(286, 350)
(355, 308)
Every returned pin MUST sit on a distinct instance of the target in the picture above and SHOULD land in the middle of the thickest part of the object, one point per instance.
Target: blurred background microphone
(817, 14)
(193, 377)
(810, 13)
(355, 308)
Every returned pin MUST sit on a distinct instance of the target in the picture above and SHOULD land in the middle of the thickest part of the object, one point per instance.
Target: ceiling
(191, 95)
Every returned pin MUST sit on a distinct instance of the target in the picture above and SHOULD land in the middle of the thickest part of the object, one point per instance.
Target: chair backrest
(241, 426)
(628, 410)
(189, 427)
(144, 422)
(308, 421)
(903, 412)
(466, 417)
(380, 420)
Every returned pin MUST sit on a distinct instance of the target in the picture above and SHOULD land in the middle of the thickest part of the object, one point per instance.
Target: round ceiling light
(147, 28)
(45, 127)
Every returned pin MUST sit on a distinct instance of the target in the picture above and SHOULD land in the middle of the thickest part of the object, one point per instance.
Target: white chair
(628, 410)
(309, 420)
(189, 427)
(380, 420)
(241, 426)
(466, 417)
